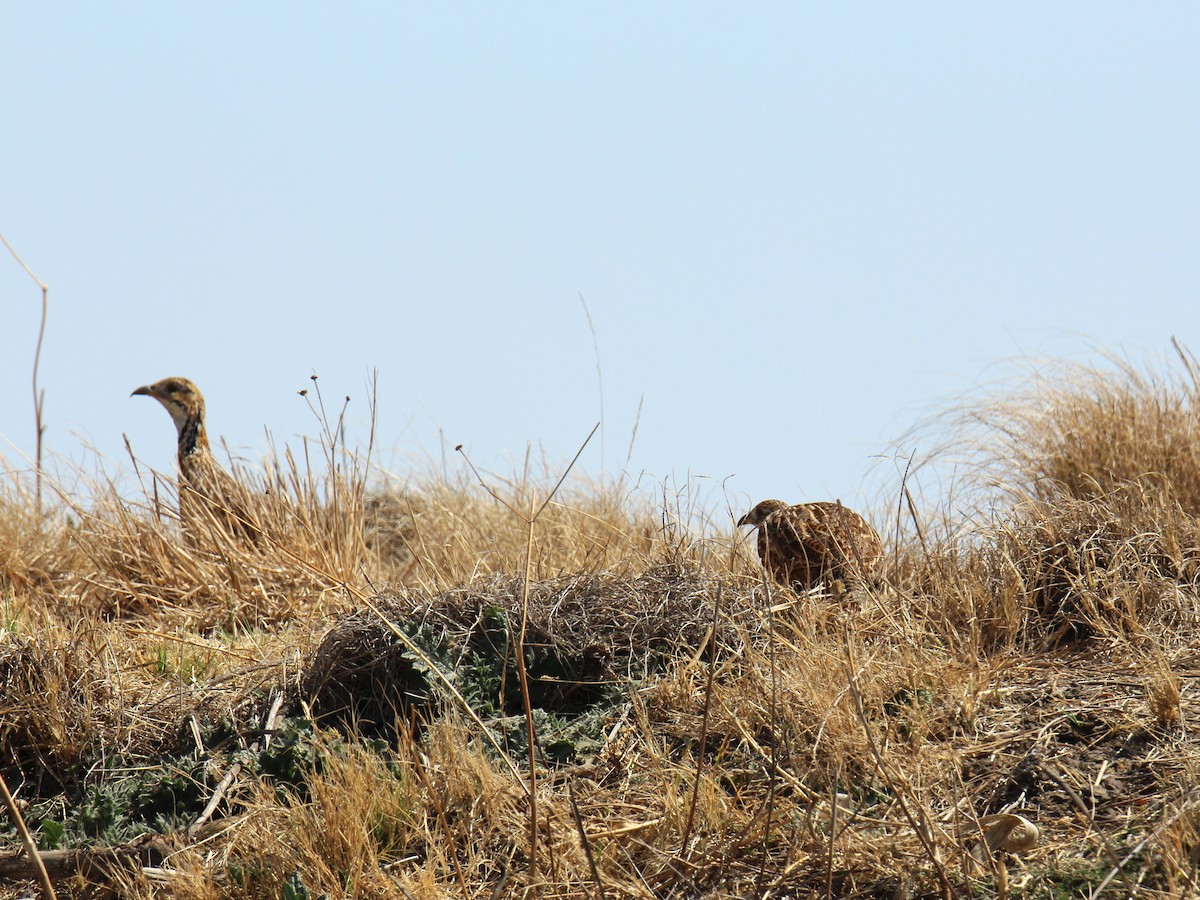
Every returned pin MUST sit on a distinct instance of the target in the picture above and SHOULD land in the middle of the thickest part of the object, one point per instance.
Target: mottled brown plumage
(207, 493)
(811, 543)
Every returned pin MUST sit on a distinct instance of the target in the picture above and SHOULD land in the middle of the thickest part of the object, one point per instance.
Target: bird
(810, 543)
(207, 493)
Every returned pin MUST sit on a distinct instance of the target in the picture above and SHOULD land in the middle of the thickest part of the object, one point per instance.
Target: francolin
(811, 543)
(207, 493)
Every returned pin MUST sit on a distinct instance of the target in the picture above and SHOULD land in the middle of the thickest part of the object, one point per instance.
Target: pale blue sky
(798, 228)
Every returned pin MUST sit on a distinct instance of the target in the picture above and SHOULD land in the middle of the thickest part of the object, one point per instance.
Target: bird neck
(192, 438)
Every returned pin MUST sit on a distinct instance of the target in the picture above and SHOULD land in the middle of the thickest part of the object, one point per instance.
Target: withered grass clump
(582, 633)
(666, 606)
(1113, 563)
(57, 709)
(1050, 572)
(138, 560)
(1128, 426)
(33, 556)
(88, 696)
(1076, 515)
(1084, 431)
(435, 818)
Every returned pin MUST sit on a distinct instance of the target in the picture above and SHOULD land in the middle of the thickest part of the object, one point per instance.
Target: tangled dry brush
(423, 691)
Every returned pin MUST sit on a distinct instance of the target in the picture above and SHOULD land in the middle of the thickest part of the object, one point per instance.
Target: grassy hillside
(345, 710)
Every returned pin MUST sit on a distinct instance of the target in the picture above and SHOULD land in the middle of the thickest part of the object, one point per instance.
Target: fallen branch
(100, 863)
(219, 793)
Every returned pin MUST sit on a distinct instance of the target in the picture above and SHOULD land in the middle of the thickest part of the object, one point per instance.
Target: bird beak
(144, 390)
(742, 521)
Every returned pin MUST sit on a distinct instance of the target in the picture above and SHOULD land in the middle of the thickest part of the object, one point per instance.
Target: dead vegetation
(345, 708)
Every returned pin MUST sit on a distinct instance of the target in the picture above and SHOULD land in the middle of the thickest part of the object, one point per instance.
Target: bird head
(181, 398)
(756, 516)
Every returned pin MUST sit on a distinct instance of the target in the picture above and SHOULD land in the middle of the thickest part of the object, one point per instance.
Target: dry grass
(1037, 660)
(1083, 430)
(439, 535)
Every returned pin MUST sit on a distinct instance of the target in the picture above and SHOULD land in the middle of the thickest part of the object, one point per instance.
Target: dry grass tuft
(1164, 693)
(56, 703)
(441, 534)
(1084, 431)
(134, 560)
(583, 633)
(1088, 567)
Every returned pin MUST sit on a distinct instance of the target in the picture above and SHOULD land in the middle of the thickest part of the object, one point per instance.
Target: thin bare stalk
(912, 509)
(587, 313)
(527, 704)
(443, 822)
(833, 832)
(774, 719)
(522, 674)
(708, 690)
(583, 840)
(39, 395)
